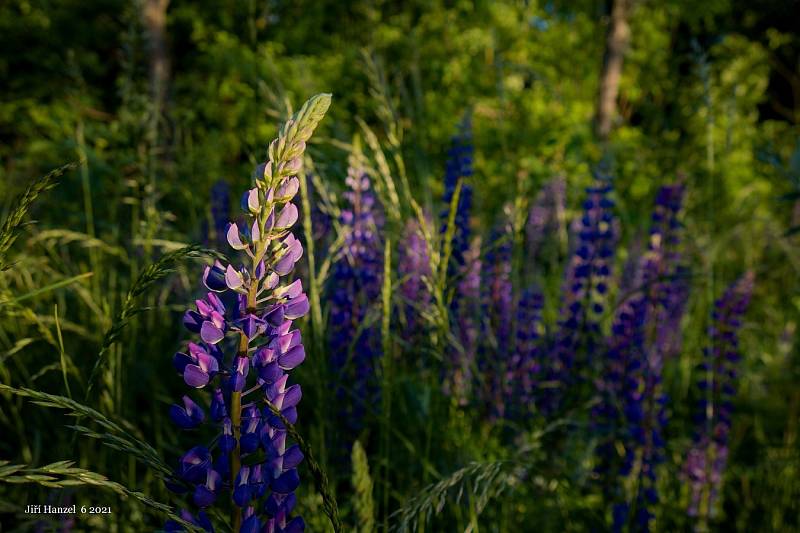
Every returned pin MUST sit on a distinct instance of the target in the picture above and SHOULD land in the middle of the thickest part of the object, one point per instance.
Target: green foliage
(363, 504)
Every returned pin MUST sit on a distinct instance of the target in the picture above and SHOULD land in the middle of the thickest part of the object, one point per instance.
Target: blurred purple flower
(706, 460)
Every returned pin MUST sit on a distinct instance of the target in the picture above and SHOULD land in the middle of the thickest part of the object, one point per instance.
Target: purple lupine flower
(459, 167)
(708, 456)
(461, 360)
(525, 366)
(631, 408)
(244, 350)
(584, 291)
(498, 302)
(415, 275)
(356, 285)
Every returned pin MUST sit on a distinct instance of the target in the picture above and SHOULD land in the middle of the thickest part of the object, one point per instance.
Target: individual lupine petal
(194, 376)
(257, 482)
(205, 495)
(269, 222)
(251, 325)
(227, 442)
(292, 252)
(297, 307)
(293, 166)
(250, 439)
(194, 464)
(286, 482)
(255, 232)
(210, 333)
(192, 321)
(272, 281)
(251, 523)
(202, 369)
(277, 503)
(242, 494)
(235, 238)
(293, 290)
(292, 457)
(233, 278)
(180, 360)
(295, 525)
(261, 269)
(275, 315)
(239, 378)
(251, 202)
(217, 410)
(292, 358)
(214, 277)
(189, 416)
(287, 217)
(284, 398)
(287, 190)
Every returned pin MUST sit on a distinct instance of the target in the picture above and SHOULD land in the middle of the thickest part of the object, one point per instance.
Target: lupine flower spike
(585, 288)
(631, 411)
(244, 350)
(356, 285)
(708, 456)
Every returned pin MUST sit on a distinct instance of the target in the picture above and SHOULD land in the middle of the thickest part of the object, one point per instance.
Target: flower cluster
(585, 288)
(498, 304)
(459, 168)
(464, 265)
(708, 456)
(246, 347)
(415, 273)
(459, 371)
(356, 285)
(631, 411)
(525, 367)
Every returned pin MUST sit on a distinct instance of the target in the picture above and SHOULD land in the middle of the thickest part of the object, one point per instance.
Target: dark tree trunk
(154, 17)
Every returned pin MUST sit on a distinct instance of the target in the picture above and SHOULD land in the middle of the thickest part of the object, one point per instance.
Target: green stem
(236, 422)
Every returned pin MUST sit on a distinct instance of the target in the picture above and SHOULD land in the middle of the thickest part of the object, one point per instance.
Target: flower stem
(236, 422)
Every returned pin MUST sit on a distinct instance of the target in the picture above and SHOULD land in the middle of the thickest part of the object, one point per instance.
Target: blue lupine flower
(705, 463)
(459, 167)
(245, 321)
(414, 269)
(356, 286)
(525, 367)
(584, 291)
(631, 411)
(458, 380)
(498, 302)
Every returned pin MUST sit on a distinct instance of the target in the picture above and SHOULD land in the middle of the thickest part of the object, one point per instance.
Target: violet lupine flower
(498, 302)
(458, 379)
(525, 367)
(245, 348)
(415, 274)
(356, 285)
(584, 290)
(705, 463)
(631, 411)
(459, 167)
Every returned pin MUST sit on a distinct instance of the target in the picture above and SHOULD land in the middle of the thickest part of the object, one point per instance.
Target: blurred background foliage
(162, 99)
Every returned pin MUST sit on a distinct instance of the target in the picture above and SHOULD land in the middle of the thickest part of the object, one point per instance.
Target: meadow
(399, 266)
